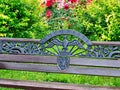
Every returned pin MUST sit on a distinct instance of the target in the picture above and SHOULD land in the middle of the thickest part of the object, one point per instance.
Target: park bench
(62, 51)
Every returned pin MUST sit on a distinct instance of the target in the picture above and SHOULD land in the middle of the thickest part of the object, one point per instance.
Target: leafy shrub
(20, 18)
(100, 20)
(59, 14)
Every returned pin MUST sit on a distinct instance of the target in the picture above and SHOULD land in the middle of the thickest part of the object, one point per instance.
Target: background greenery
(99, 21)
(20, 18)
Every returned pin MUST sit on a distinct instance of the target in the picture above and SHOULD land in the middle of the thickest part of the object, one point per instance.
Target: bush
(100, 20)
(59, 14)
(20, 18)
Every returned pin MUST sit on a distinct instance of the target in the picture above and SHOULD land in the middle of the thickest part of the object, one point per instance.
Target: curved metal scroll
(106, 51)
(64, 44)
(18, 47)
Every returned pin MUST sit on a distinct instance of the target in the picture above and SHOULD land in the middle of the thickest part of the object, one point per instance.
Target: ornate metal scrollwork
(17, 47)
(63, 44)
(57, 44)
(106, 51)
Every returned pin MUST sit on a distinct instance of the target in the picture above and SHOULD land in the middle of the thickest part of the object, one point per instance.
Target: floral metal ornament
(62, 44)
(58, 44)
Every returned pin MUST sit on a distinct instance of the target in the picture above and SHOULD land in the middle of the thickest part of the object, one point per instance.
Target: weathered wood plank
(28, 58)
(38, 40)
(113, 43)
(71, 69)
(32, 85)
(20, 40)
(53, 60)
(95, 62)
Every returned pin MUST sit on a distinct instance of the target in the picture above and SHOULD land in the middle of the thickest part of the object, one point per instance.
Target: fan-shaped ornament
(63, 44)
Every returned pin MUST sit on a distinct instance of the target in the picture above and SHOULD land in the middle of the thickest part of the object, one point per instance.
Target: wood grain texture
(70, 70)
(83, 66)
(53, 60)
(38, 40)
(27, 58)
(20, 40)
(32, 85)
(113, 43)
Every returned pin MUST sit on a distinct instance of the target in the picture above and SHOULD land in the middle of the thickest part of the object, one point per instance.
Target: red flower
(72, 1)
(49, 3)
(48, 13)
(53, 1)
(66, 6)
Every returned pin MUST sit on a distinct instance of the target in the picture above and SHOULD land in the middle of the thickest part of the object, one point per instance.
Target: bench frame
(57, 53)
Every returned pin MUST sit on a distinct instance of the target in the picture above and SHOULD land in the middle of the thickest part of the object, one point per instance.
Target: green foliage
(99, 20)
(66, 78)
(19, 18)
(59, 18)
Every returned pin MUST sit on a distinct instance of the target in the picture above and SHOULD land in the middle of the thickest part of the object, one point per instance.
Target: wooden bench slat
(32, 85)
(71, 69)
(37, 63)
(28, 58)
(38, 40)
(20, 40)
(95, 62)
(112, 43)
(53, 60)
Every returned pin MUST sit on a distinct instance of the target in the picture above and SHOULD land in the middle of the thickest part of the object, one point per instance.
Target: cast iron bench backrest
(63, 51)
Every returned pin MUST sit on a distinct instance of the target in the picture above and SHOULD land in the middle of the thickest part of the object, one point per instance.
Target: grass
(55, 77)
